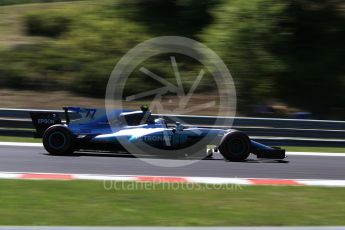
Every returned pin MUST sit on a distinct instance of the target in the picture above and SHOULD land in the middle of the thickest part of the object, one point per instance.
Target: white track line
(315, 154)
(21, 144)
(319, 154)
(167, 228)
(172, 179)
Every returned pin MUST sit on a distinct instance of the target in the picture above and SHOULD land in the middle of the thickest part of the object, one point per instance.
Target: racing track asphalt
(35, 159)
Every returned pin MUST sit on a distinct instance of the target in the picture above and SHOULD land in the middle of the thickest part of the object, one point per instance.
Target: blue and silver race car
(139, 132)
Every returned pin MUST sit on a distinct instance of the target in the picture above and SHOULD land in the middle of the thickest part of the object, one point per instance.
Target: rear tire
(235, 146)
(59, 140)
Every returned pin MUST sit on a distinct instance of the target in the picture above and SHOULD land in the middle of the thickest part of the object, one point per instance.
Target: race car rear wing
(43, 120)
(77, 115)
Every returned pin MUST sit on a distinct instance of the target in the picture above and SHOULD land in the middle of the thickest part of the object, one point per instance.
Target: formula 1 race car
(131, 131)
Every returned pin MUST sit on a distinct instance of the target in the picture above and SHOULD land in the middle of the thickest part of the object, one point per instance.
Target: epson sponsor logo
(45, 121)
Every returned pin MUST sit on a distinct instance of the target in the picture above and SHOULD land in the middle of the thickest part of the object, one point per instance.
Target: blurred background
(287, 57)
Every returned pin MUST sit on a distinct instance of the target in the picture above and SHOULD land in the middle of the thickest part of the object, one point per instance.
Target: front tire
(235, 146)
(59, 140)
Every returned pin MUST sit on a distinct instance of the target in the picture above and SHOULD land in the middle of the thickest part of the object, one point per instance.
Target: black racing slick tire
(235, 146)
(59, 140)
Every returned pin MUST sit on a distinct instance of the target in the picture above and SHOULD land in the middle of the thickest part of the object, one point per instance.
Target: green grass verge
(20, 139)
(88, 203)
(314, 149)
